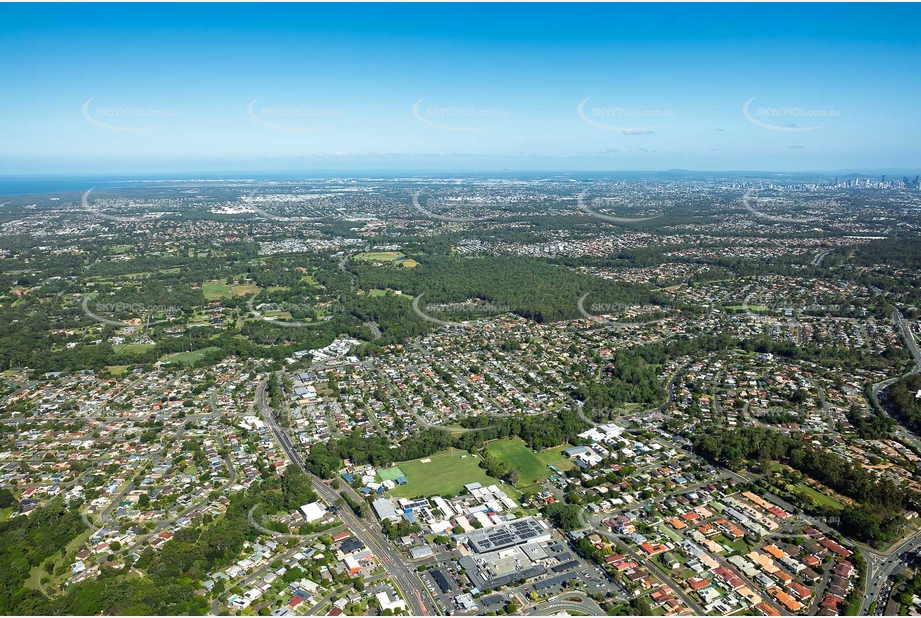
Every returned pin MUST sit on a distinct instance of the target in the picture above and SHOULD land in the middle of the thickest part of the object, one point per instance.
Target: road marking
(421, 603)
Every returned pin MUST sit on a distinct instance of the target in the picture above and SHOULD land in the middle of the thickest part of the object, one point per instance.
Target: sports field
(390, 474)
(188, 357)
(215, 290)
(388, 256)
(132, 348)
(532, 466)
(445, 475)
(379, 256)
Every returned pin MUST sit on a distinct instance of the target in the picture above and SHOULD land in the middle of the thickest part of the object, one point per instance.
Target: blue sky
(185, 88)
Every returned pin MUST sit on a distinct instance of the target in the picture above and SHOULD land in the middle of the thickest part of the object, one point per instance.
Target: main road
(406, 579)
(881, 565)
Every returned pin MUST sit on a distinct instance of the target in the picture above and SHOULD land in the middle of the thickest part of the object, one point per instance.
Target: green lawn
(446, 474)
(117, 370)
(818, 496)
(555, 456)
(216, 290)
(738, 546)
(532, 466)
(671, 534)
(188, 357)
(388, 256)
(754, 308)
(132, 348)
(379, 256)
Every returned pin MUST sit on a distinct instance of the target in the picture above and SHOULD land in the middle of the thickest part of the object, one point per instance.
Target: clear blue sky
(501, 87)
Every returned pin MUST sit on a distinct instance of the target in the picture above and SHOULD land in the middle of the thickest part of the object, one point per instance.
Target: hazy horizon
(127, 89)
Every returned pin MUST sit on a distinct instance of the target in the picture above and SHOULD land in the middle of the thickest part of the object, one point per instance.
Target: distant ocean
(28, 185)
(48, 184)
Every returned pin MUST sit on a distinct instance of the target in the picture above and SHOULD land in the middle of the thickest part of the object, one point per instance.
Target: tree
(7, 499)
(640, 607)
(563, 516)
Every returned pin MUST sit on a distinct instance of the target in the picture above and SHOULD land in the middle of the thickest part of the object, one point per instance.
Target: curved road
(285, 535)
(559, 604)
(669, 399)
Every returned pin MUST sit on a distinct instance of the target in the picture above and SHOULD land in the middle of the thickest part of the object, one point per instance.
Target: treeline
(538, 432)
(532, 288)
(877, 520)
(871, 426)
(392, 313)
(631, 375)
(904, 401)
(829, 355)
(26, 542)
(903, 251)
(629, 378)
(171, 575)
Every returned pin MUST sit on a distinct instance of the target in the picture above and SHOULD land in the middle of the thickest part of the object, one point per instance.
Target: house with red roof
(832, 602)
(834, 547)
(732, 580)
(844, 569)
(294, 601)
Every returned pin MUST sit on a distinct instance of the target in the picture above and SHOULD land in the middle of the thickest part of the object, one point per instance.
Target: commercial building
(517, 532)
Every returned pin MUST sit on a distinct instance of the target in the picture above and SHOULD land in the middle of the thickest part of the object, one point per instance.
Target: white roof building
(384, 599)
(313, 511)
